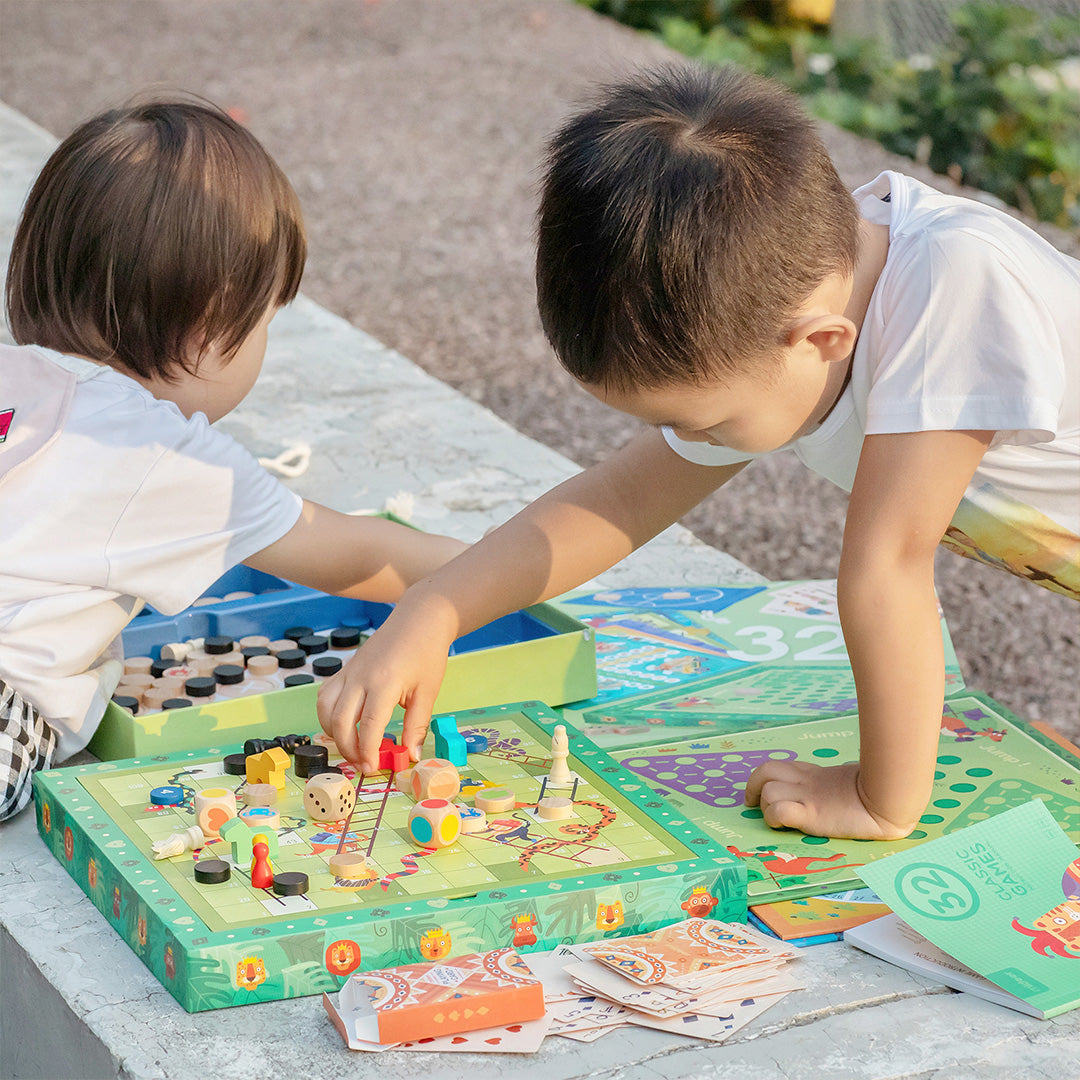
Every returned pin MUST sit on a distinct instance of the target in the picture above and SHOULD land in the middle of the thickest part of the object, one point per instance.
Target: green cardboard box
(625, 862)
(539, 654)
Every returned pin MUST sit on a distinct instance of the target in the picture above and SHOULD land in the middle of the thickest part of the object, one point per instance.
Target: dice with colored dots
(434, 823)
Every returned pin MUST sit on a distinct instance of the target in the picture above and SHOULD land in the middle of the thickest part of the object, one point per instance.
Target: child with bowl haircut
(152, 252)
(701, 267)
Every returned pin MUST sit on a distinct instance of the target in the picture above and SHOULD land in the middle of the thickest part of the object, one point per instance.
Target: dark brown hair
(684, 218)
(153, 231)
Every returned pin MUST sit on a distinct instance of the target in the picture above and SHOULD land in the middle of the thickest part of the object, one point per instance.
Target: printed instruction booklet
(1002, 897)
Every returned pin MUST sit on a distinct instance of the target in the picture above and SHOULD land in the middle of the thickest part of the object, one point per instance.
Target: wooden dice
(434, 823)
(213, 807)
(329, 797)
(435, 778)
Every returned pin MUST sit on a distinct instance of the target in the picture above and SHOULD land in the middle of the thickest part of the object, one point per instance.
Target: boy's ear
(831, 334)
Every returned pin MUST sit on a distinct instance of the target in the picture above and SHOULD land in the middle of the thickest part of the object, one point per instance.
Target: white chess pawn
(560, 775)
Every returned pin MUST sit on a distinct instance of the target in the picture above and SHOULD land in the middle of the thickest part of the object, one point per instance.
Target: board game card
(680, 954)
(713, 1028)
(447, 997)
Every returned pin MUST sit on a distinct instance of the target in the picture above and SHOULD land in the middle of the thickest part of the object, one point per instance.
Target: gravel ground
(412, 131)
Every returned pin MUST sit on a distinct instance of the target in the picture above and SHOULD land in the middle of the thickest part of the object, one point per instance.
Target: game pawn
(262, 874)
(560, 775)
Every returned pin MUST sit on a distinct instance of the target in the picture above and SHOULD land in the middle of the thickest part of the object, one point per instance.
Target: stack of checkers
(699, 977)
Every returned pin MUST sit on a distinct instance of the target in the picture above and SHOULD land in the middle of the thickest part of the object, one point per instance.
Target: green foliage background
(989, 107)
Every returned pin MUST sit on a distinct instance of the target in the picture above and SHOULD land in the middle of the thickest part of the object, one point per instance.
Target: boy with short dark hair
(701, 267)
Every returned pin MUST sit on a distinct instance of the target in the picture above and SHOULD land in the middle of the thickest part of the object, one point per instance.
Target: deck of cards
(700, 978)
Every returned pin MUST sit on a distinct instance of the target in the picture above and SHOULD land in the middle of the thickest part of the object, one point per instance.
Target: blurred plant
(989, 108)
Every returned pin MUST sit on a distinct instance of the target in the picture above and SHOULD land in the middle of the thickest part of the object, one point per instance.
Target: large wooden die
(329, 797)
(435, 778)
(434, 823)
(213, 807)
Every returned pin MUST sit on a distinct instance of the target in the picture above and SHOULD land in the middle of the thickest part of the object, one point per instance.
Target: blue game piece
(476, 744)
(169, 795)
(448, 741)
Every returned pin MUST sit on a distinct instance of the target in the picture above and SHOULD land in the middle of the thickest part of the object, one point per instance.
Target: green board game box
(988, 761)
(624, 862)
(539, 654)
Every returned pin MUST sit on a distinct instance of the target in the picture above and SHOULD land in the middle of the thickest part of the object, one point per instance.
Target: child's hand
(818, 800)
(402, 664)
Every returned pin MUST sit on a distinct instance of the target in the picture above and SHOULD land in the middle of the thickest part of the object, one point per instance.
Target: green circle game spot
(751, 812)
(946, 804)
(948, 759)
(815, 839)
(825, 751)
(917, 834)
(931, 819)
(939, 775)
(978, 772)
(962, 787)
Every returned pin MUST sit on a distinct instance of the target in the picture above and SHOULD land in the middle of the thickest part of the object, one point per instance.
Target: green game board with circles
(988, 761)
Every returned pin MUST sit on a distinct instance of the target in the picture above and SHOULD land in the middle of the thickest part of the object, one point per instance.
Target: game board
(623, 862)
(988, 761)
(716, 660)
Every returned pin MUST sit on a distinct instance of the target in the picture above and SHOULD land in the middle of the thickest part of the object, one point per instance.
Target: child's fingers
(417, 722)
(789, 772)
(782, 808)
(378, 707)
(326, 702)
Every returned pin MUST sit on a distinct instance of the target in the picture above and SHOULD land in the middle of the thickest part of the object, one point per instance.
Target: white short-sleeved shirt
(109, 498)
(974, 324)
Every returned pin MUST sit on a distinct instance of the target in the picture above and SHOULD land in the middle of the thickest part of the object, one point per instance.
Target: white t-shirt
(974, 324)
(109, 498)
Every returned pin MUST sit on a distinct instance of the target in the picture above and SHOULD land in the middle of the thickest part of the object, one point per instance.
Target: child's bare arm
(354, 554)
(564, 538)
(906, 491)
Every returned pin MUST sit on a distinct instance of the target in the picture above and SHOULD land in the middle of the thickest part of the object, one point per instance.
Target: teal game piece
(168, 795)
(449, 743)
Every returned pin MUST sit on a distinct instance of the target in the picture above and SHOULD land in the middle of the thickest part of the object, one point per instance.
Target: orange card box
(442, 997)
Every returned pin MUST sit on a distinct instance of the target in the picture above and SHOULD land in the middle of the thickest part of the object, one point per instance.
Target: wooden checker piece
(472, 819)
(260, 794)
(235, 764)
(307, 758)
(496, 800)
(554, 808)
(212, 871)
(260, 817)
(349, 865)
(290, 883)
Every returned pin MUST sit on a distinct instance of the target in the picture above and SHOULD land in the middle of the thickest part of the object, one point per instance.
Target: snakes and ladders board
(622, 861)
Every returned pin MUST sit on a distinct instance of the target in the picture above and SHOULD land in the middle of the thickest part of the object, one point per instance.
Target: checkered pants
(27, 743)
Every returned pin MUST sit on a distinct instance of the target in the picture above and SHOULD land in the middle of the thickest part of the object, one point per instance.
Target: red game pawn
(262, 875)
